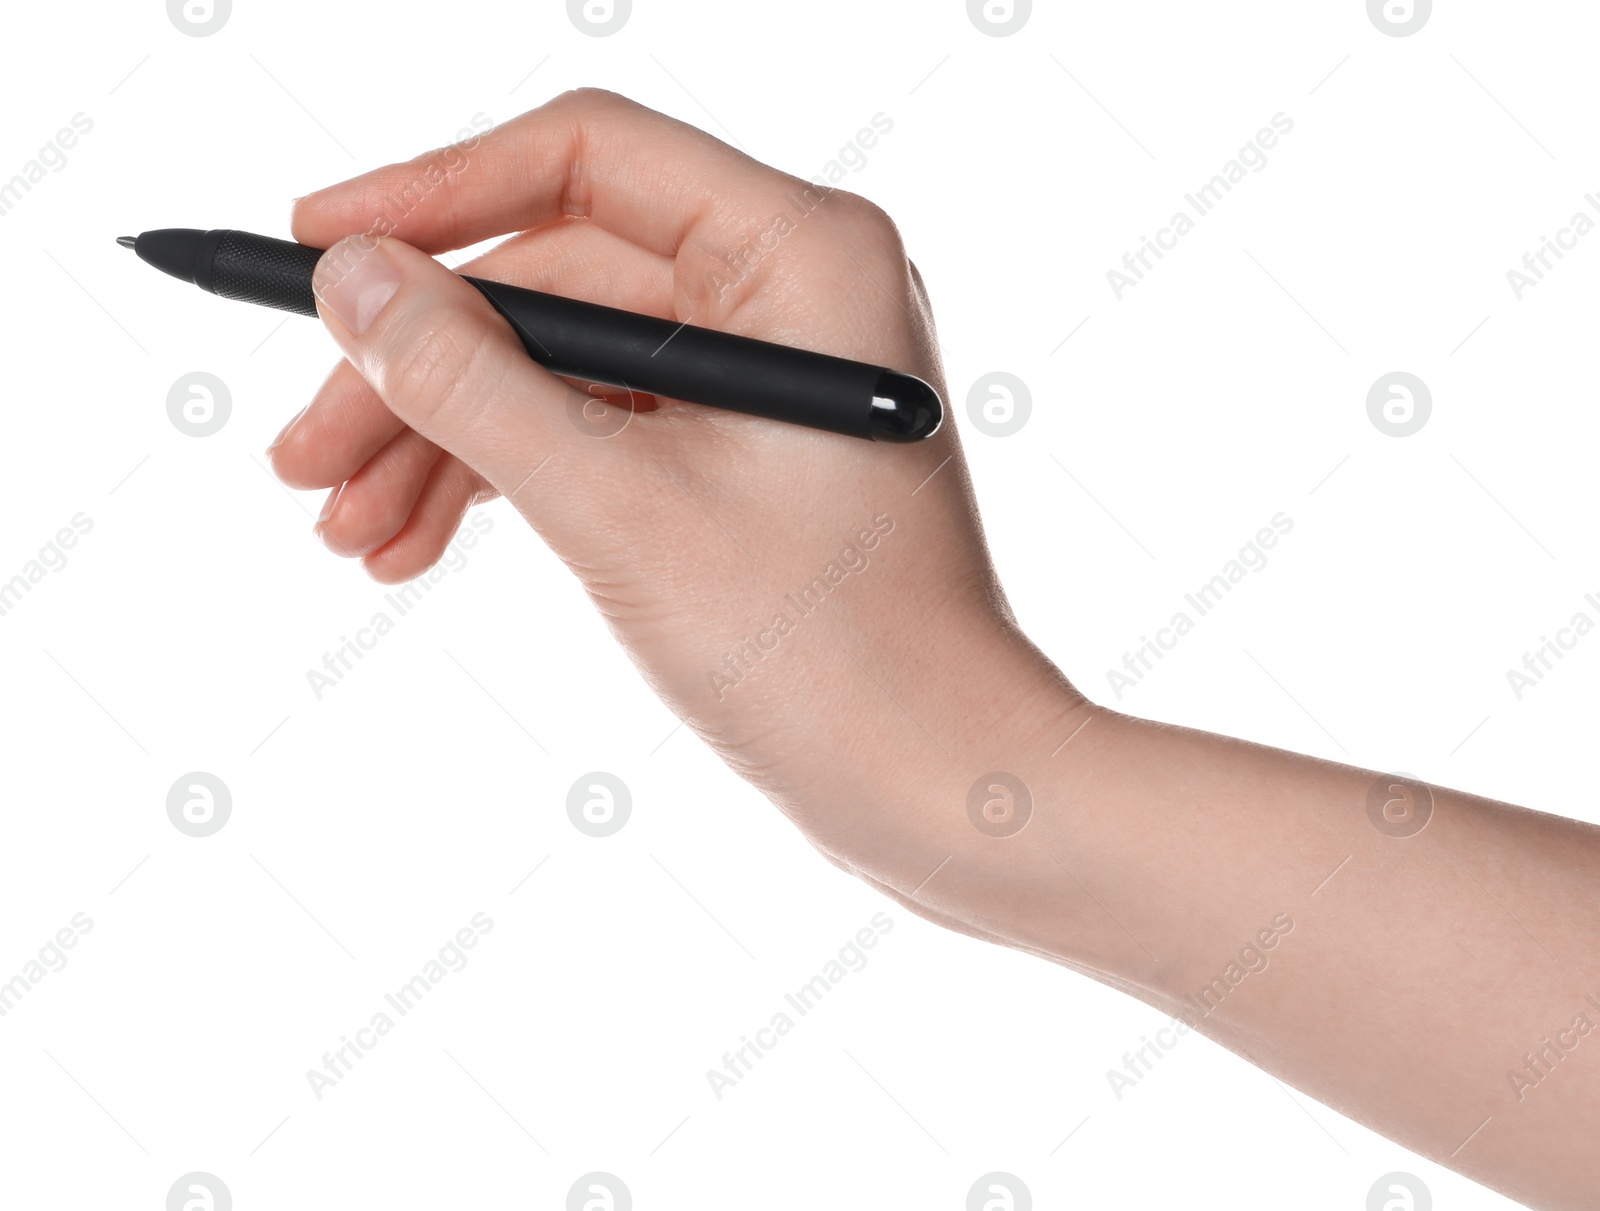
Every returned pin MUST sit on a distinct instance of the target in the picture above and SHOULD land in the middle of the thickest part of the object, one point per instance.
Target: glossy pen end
(904, 409)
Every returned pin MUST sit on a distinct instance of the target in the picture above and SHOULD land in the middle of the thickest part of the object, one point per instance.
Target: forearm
(1406, 980)
(1415, 973)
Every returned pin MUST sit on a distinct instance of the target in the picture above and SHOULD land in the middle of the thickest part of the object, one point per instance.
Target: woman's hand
(820, 609)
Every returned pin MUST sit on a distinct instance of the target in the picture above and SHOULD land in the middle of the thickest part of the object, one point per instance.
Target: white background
(368, 826)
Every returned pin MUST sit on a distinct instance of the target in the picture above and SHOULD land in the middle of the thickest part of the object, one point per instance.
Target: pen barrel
(596, 344)
(604, 345)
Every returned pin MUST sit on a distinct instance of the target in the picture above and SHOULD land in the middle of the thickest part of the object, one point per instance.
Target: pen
(602, 345)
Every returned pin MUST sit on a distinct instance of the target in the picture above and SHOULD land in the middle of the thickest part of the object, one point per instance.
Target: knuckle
(869, 219)
(876, 247)
(588, 98)
(873, 237)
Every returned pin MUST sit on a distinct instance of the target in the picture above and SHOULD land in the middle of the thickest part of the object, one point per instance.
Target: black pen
(601, 345)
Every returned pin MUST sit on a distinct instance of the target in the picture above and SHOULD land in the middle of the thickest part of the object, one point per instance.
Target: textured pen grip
(258, 269)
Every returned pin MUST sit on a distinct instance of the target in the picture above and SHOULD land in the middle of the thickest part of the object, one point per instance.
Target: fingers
(372, 506)
(347, 423)
(333, 437)
(638, 173)
(442, 359)
(450, 490)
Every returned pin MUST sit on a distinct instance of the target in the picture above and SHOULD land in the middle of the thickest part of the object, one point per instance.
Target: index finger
(639, 174)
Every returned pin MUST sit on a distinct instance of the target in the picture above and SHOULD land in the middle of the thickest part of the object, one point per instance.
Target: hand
(1162, 861)
(698, 533)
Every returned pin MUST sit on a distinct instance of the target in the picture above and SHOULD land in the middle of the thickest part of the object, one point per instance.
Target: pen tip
(127, 241)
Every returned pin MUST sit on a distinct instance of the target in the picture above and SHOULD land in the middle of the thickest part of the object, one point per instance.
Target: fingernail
(284, 432)
(355, 282)
(328, 505)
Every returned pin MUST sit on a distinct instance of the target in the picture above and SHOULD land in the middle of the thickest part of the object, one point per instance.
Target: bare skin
(1428, 982)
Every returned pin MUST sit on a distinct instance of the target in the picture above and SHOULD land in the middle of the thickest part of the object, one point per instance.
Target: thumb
(441, 358)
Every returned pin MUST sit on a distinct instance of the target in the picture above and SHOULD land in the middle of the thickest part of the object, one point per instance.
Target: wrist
(964, 803)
